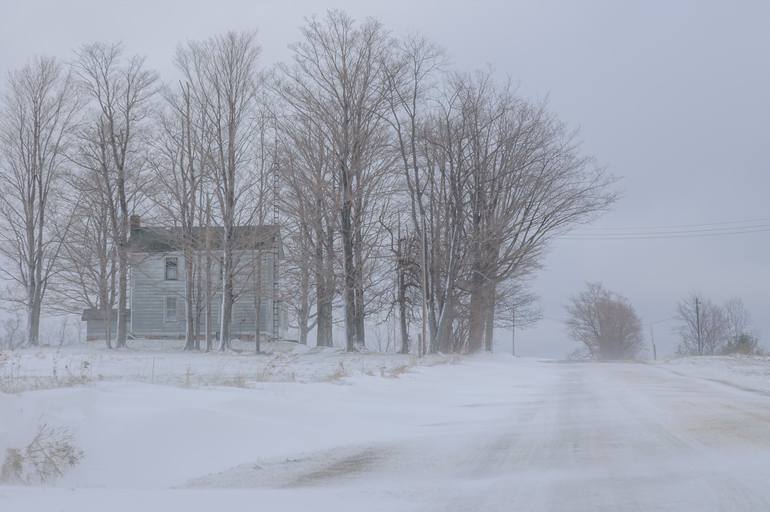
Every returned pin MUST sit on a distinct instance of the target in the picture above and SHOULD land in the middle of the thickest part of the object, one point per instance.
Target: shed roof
(99, 314)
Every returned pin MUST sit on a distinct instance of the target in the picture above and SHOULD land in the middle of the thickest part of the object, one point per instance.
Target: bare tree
(11, 333)
(264, 270)
(407, 252)
(737, 318)
(336, 84)
(36, 126)
(180, 161)
(222, 73)
(606, 323)
(740, 338)
(707, 328)
(310, 202)
(121, 92)
(528, 184)
(410, 78)
(703, 326)
(87, 266)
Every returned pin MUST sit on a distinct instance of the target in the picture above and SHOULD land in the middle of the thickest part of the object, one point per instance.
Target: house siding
(149, 290)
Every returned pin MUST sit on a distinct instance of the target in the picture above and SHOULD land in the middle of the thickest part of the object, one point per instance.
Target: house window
(170, 309)
(172, 264)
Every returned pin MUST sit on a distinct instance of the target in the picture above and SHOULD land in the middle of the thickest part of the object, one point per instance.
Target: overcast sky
(673, 97)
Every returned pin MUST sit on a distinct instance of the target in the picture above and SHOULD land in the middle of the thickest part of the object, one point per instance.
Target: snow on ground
(164, 362)
(483, 433)
(749, 372)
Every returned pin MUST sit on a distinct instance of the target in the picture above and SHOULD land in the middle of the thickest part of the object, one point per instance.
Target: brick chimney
(135, 222)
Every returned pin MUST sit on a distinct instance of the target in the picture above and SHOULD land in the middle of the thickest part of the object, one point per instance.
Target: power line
(662, 236)
(720, 228)
(663, 320)
(711, 232)
(674, 226)
(683, 231)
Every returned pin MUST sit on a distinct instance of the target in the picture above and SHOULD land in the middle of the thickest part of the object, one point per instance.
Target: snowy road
(480, 436)
(624, 437)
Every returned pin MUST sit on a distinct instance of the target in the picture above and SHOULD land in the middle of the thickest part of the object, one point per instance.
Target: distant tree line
(609, 328)
(406, 189)
(706, 328)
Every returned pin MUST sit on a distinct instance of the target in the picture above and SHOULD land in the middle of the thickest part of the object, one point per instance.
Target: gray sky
(674, 97)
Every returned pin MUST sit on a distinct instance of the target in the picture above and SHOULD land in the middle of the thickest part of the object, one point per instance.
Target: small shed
(96, 323)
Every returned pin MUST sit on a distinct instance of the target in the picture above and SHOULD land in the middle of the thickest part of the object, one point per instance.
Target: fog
(671, 98)
(365, 375)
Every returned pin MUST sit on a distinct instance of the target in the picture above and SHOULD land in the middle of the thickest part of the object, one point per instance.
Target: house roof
(157, 239)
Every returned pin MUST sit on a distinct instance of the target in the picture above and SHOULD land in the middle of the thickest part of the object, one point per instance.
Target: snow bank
(747, 373)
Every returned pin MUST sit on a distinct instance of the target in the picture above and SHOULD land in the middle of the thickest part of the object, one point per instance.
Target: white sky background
(674, 97)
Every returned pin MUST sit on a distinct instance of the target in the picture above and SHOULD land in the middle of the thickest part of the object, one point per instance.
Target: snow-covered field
(318, 429)
(751, 373)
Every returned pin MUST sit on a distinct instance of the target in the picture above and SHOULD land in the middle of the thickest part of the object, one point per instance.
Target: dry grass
(13, 380)
(338, 374)
(237, 381)
(396, 372)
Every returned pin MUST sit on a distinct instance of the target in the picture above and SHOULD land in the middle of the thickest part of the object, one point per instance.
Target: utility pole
(513, 331)
(276, 251)
(697, 326)
(654, 348)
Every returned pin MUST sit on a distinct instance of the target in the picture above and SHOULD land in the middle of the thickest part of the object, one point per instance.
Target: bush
(11, 334)
(50, 453)
(744, 344)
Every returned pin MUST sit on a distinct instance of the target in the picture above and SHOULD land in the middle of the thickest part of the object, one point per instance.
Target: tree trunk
(489, 321)
(476, 313)
(402, 308)
(198, 299)
(348, 267)
(324, 285)
(304, 306)
(444, 327)
(258, 305)
(33, 322)
(227, 299)
(360, 319)
(358, 247)
(189, 264)
(122, 336)
(209, 314)
(107, 316)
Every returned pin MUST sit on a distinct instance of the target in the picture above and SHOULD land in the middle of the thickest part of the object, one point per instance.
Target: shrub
(50, 453)
(745, 344)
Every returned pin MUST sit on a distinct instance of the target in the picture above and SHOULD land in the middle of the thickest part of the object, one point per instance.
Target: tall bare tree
(36, 126)
(530, 183)
(179, 162)
(336, 85)
(411, 77)
(120, 91)
(87, 267)
(502, 177)
(308, 202)
(223, 77)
